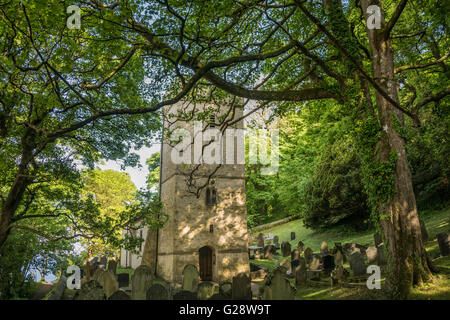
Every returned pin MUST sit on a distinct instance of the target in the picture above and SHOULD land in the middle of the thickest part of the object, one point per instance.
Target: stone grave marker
(285, 249)
(269, 251)
(300, 246)
(308, 255)
(91, 290)
(381, 255)
(225, 290)
(185, 295)
(112, 266)
(158, 292)
(300, 272)
(119, 295)
(260, 240)
(278, 287)
(444, 243)
(276, 243)
(241, 287)
(141, 281)
(205, 290)
(109, 283)
(292, 235)
(357, 263)
(191, 278)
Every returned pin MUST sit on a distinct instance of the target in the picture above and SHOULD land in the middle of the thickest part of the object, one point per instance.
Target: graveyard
(251, 150)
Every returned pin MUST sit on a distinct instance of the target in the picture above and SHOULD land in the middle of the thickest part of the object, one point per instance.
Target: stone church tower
(205, 203)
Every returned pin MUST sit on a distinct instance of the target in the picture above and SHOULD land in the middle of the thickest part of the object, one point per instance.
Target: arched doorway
(206, 263)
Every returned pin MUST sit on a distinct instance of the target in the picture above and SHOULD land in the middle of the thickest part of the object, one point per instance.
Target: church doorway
(206, 263)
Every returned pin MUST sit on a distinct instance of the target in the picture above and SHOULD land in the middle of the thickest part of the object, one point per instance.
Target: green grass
(439, 288)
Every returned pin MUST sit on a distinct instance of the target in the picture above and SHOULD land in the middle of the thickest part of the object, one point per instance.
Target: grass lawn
(439, 288)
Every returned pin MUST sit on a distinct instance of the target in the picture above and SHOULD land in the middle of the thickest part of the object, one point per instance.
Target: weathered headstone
(112, 266)
(300, 246)
(328, 262)
(124, 280)
(276, 243)
(190, 278)
(157, 292)
(423, 230)
(292, 235)
(285, 249)
(269, 251)
(185, 295)
(286, 264)
(225, 290)
(295, 255)
(371, 254)
(315, 263)
(444, 243)
(119, 295)
(338, 274)
(205, 290)
(377, 239)
(308, 255)
(109, 283)
(241, 287)
(300, 272)
(91, 290)
(141, 281)
(260, 240)
(278, 287)
(339, 258)
(357, 263)
(324, 248)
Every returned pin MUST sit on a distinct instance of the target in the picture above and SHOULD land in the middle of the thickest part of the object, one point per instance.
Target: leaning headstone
(308, 255)
(300, 246)
(157, 292)
(185, 295)
(324, 248)
(205, 290)
(260, 240)
(241, 287)
(357, 264)
(285, 249)
(119, 295)
(377, 239)
(141, 281)
(190, 278)
(339, 258)
(225, 290)
(276, 243)
(315, 263)
(292, 235)
(278, 287)
(444, 243)
(124, 280)
(381, 255)
(300, 272)
(371, 254)
(112, 266)
(269, 251)
(109, 283)
(91, 290)
(423, 231)
(328, 262)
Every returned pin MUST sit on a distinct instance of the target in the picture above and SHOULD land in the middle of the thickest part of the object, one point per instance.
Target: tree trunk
(398, 218)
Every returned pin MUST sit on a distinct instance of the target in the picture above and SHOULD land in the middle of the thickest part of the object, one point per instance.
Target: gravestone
(185, 295)
(292, 235)
(141, 281)
(300, 272)
(225, 290)
(315, 263)
(286, 264)
(260, 240)
(354, 247)
(190, 278)
(423, 231)
(324, 248)
(205, 290)
(241, 287)
(371, 254)
(112, 266)
(97, 274)
(381, 255)
(328, 262)
(308, 255)
(300, 246)
(338, 247)
(91, 290)
(295, 255)
(276, 243)
(278, 287)
(285, 249)
(338, 274)
(444, 243)
(109, 283)
(119, 295)
(357, 263)
(124, 280)
(339, 258)
(377, 239)
(269, 251)
(157, 292)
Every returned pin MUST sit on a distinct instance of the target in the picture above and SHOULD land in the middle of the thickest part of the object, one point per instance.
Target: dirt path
(42, 290)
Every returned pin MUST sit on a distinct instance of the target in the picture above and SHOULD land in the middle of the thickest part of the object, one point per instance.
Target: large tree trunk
(398, 218)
